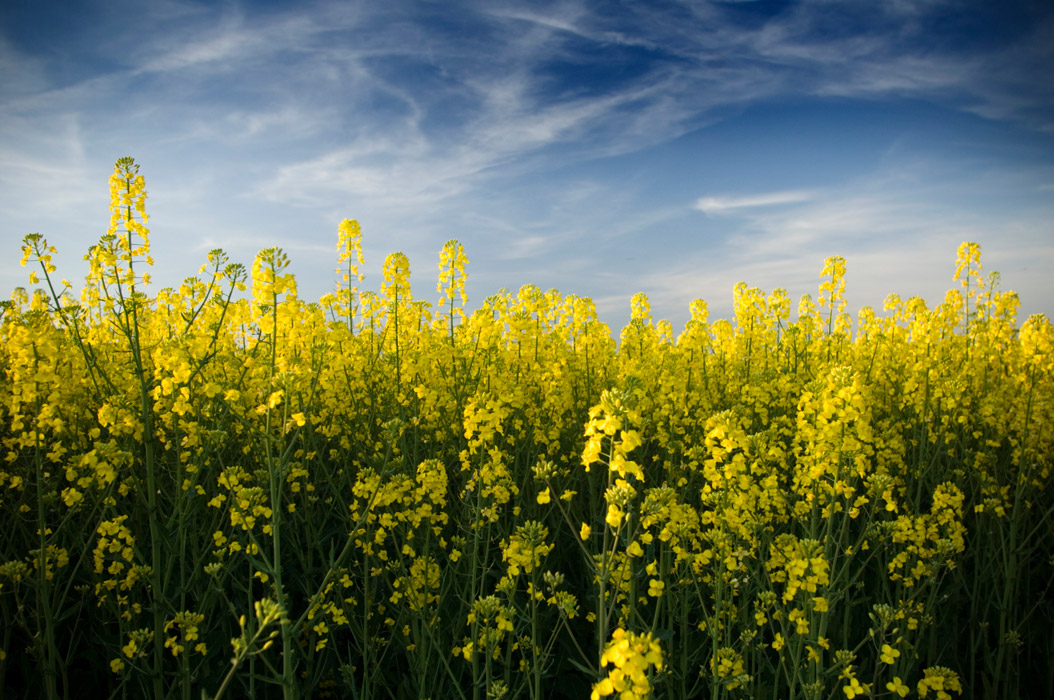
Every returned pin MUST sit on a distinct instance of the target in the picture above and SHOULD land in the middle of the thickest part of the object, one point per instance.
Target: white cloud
(526, 247)
(898, 229)
(722, 204)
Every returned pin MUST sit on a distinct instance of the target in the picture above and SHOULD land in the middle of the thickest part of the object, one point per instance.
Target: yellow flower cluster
(115, 546)
(491, 621)
(631, 656)
(188, 623)
(799, 565)
(526, 548)
(941, 681)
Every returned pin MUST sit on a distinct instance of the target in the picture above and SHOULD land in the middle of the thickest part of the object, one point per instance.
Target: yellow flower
(585, 532)
(543, 496)
(854, 688)
(591, 453)
(897, 686)
(275, 399)
(889, 654)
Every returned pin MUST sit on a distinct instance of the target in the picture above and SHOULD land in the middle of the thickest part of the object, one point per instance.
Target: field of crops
(211, 493)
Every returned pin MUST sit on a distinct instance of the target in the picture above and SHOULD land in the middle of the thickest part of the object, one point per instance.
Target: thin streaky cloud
(722, 204)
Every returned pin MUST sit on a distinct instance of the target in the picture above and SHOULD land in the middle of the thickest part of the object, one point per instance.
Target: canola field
(223, 490)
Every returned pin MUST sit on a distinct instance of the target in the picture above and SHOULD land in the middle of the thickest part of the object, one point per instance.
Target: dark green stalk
(49, 650)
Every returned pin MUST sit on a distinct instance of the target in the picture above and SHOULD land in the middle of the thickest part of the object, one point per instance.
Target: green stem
(44, 601)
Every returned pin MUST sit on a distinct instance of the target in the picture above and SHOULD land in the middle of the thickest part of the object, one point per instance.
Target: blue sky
(601, 148)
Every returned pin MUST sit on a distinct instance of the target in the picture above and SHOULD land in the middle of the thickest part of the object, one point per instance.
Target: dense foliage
(211, 493)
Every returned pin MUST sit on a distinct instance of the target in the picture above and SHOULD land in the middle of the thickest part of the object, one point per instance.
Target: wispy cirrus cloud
(527, 130)
(723, 203)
